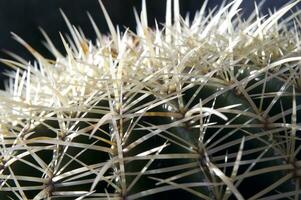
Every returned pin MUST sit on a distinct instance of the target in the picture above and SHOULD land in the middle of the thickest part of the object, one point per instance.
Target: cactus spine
(208, 109)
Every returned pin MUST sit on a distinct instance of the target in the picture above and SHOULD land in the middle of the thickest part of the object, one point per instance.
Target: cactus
(201, 109)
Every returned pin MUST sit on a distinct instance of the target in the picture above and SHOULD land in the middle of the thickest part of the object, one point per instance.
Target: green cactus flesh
(208, 109)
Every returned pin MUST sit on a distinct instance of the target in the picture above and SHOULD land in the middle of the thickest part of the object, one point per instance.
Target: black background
(23, 17)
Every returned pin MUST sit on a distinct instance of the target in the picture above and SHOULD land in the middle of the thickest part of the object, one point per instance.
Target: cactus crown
(207, 109)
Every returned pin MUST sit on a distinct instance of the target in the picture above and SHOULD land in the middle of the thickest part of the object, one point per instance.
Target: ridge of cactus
(208, 108)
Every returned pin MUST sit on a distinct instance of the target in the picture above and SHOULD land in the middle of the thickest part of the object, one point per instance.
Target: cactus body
(208, 109)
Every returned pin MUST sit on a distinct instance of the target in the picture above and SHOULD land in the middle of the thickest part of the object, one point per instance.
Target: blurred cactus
(208, 109)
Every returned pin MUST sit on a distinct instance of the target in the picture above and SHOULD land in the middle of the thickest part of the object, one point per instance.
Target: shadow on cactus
(202, 109)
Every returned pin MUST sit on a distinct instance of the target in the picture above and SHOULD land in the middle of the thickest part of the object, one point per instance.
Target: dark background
(23, 17)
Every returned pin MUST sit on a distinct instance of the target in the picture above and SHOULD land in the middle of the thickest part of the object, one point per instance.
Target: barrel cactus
(201, 109)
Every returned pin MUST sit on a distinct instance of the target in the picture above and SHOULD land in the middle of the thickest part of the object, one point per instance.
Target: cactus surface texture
(208, 108)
